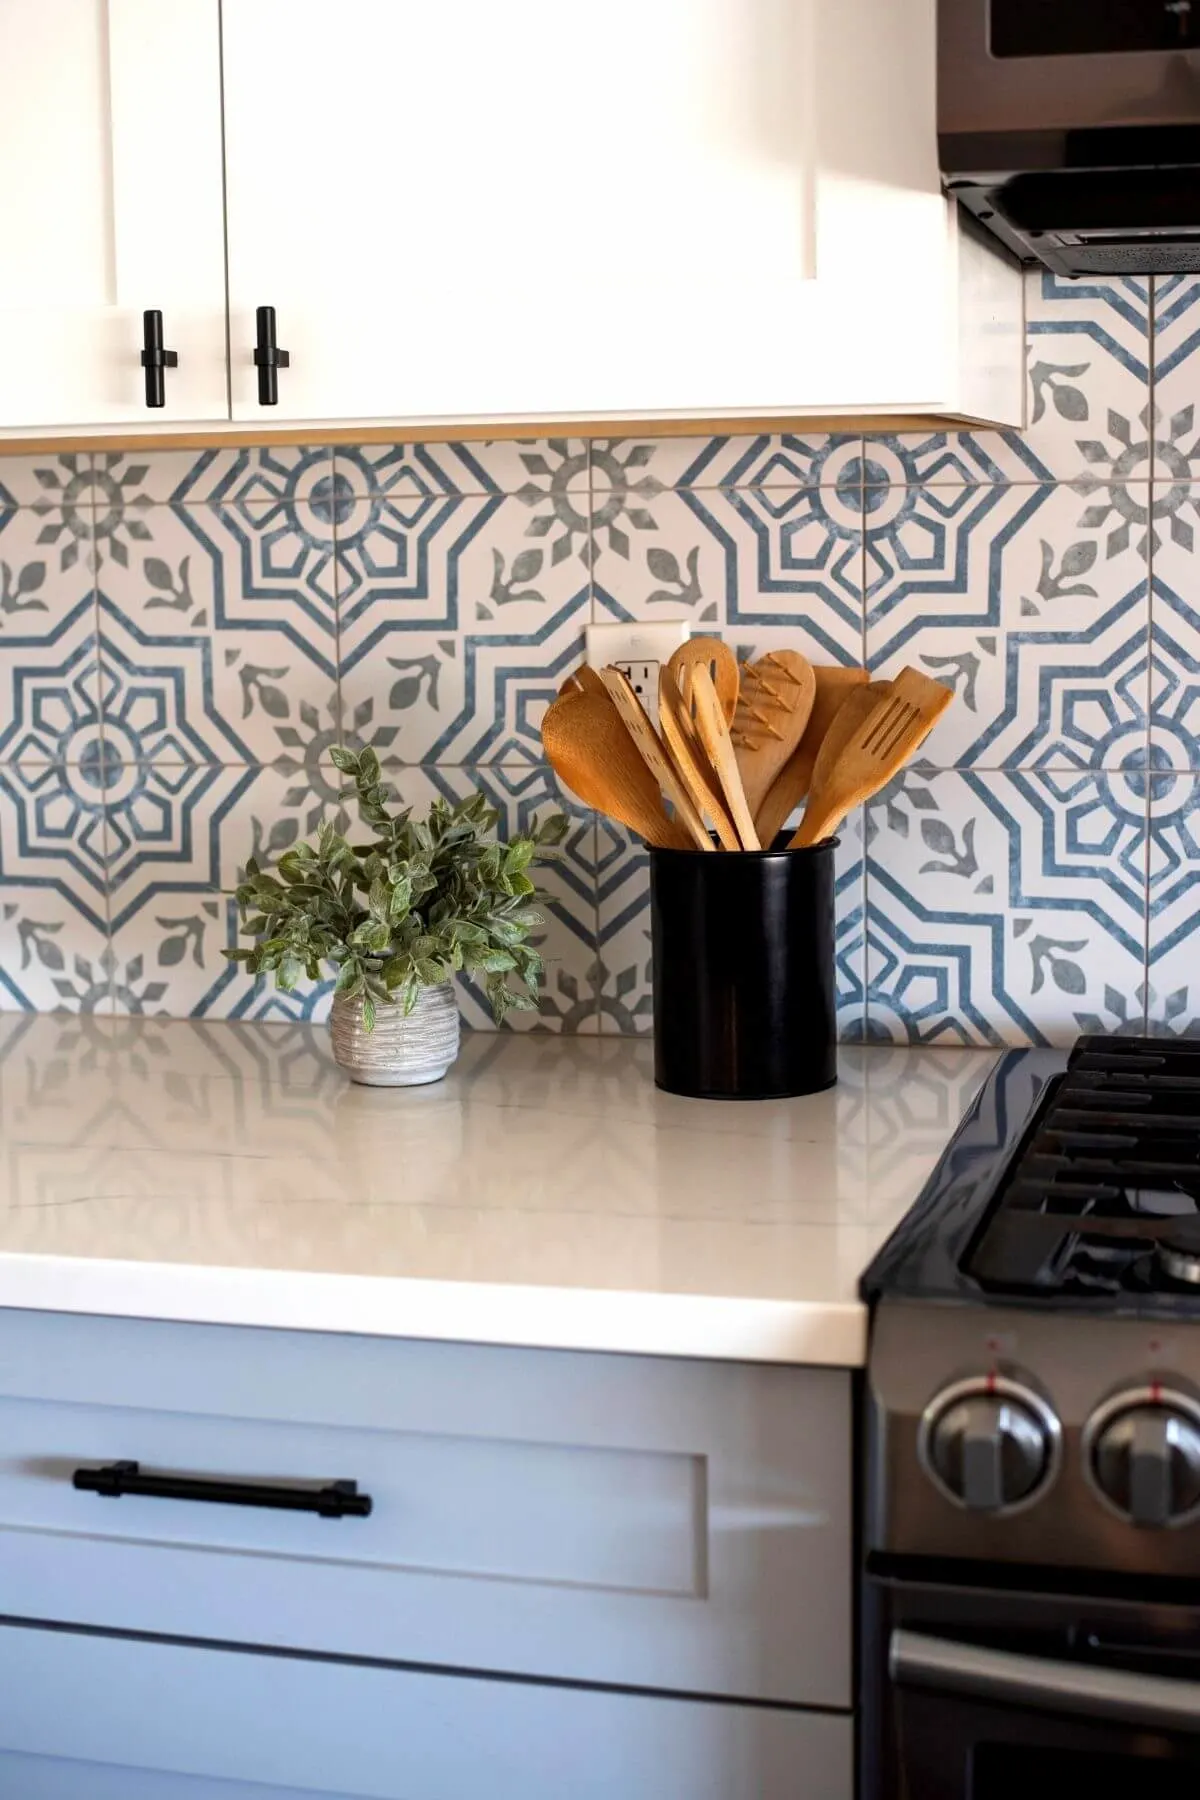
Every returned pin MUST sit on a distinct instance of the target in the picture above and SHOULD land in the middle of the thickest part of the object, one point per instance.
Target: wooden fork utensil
(880, 744)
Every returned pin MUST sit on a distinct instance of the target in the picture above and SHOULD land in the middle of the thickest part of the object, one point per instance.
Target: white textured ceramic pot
(404, 1049)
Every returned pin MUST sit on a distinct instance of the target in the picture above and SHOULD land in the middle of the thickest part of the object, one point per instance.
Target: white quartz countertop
(544, 1194)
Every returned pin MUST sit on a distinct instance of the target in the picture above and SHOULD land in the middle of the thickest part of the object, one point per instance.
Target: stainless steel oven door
(973, 1695)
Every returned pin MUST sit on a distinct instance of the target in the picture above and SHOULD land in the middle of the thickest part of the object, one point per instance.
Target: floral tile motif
(742, 561)
(623, 976)
(219, 633)
(179, 837)
(1173, 988)
(454, 653)
(49, 684)
(57, 487)
(1032, 603)
(126, 482)
(1006, 908)
(53, 955)
(645, 467)
(547, 468)
(1174, 631)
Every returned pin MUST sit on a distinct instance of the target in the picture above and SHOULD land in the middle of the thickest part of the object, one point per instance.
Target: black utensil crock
(744, 991)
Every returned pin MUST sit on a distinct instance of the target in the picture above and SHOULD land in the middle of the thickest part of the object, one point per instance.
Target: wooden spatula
(713, 732)
(833, 687)
(585, 679)
(592, 753)
(692, 765)
(711, 654)
(650, 747)
(774, 703)
(890, 733)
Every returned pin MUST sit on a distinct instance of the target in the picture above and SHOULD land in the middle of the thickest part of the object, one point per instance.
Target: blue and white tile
(179, 837)
(1175, 633)
(540, 470)
(1088, 381)
(53, 956)
(1176, 346)
(941, 458)
(759, 566)
(126, 482)
(1005, 908)
(48, 654)
(57, 489)
(1032, 603)
(219, 633)
(457, 647)
(1173, 988)
(644, 467)
(622, 978)
(53, 831)
(53, 903)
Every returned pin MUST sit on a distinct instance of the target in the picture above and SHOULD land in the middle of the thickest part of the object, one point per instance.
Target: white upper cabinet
(110, 159)
(506, 209)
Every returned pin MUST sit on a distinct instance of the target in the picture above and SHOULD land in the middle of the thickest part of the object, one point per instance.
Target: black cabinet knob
(155, 359)
(268, 357)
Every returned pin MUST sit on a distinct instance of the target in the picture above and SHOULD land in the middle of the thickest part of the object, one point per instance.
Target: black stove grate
(1103, 1195)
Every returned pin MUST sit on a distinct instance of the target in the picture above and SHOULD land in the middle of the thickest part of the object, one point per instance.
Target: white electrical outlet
(639, 651)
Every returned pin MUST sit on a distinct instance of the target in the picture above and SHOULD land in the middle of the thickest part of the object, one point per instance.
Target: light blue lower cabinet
(89, 1717)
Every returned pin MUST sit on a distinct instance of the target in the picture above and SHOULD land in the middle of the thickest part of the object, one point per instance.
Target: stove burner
(1103, 1197)
(1178, 1251)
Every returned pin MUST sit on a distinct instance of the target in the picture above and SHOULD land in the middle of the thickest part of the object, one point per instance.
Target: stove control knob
(989, 1445)
(1142, 1455)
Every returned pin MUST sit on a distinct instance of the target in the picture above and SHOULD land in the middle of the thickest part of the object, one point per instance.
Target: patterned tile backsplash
(185, 635)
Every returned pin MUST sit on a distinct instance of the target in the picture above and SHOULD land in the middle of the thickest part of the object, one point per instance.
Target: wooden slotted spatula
(592, 753)
(891, 732)
(833, 688)
(692, 765)
(650, 747)
(713, 732)
(711, 654)
(773, 708)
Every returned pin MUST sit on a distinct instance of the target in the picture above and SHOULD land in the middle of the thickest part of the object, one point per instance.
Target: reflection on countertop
(545, 1193)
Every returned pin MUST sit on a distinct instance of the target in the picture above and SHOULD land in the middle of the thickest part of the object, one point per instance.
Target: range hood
(1071, 129)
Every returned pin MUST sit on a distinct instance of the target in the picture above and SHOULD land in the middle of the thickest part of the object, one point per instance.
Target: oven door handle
(917, 1660)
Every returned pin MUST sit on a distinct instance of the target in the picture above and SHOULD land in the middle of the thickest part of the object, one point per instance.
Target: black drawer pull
(337, 1500)
(155, 359)
(268, 357)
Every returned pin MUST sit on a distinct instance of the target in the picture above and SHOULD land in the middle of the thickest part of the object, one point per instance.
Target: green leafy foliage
(422, 900)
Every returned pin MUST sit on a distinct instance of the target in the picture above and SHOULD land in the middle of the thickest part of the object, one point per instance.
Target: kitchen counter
(545, 1194)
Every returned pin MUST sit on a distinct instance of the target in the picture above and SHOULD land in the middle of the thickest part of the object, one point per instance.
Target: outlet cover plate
(639, 650)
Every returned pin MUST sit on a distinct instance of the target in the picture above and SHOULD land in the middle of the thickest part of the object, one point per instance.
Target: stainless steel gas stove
(1032, 1519)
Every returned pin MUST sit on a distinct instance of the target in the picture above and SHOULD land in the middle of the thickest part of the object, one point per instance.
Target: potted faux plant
(396, 918)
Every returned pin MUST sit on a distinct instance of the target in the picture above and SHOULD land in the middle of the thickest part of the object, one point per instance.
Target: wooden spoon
(773, 709)
(692, 764)
(833, 687)
(583, 680)
(592, 753)
(713, 732)
(637, 722)
(711, 654)
(884, 740)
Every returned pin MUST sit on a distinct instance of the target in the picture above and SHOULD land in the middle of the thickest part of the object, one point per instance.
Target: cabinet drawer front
(621, 1520)
(222, 1716)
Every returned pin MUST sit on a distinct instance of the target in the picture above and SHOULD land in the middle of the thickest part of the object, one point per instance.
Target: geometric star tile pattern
(186, 635)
